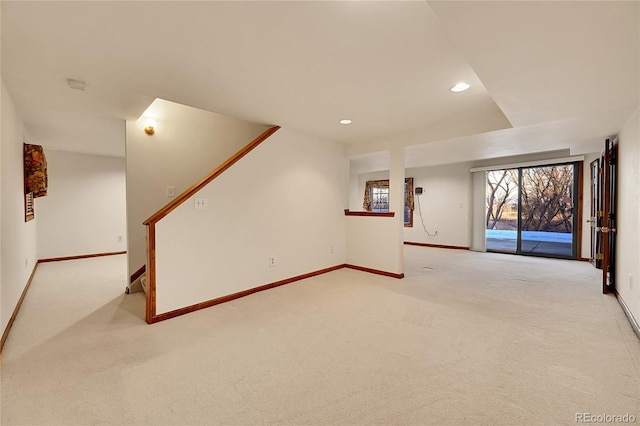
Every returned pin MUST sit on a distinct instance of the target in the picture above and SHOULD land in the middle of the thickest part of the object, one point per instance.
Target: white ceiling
(545, 76)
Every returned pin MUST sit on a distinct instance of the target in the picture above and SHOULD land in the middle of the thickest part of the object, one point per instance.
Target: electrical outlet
(272, 261)
(119, 238)
(171, 191)
(201, 203)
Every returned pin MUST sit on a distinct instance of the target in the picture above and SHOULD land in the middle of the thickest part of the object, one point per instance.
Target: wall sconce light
(150, 126)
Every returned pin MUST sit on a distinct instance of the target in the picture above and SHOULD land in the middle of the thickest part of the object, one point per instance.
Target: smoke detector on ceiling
(76, 84)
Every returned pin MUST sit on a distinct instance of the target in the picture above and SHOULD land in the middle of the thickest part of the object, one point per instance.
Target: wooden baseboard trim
(375, 271)
(82, 256)
(223, 299)
(409, 243)
(627, 312)
(188, 309)
(138, 273)
(584, 259)
(15, 311)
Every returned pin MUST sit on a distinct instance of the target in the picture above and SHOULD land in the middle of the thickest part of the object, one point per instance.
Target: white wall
(84, 211)
(445, 205)
(357, 185)
(373, 242)
(19, 239)
(446, 200)
(2, 138)
(188, 144)
(285, 199)
(628, 237)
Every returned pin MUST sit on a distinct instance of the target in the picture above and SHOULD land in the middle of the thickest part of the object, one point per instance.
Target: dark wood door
(607, 229)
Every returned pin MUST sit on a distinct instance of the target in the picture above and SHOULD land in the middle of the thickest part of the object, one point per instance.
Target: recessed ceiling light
(345, 121)
(460, 87)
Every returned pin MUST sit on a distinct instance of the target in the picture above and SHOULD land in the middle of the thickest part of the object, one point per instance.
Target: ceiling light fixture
(460, 87)
(150, 127)
(345, 121)
(76, 84)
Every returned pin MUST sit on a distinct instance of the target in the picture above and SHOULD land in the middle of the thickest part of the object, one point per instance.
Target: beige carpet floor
(466, 338)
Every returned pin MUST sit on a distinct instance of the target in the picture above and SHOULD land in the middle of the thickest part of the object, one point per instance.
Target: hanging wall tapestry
(35, 177)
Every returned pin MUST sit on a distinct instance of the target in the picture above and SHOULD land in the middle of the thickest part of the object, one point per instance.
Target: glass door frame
(576, 220)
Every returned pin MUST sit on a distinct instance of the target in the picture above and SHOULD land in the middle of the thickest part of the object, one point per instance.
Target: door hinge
(599, 256)
(600, 213)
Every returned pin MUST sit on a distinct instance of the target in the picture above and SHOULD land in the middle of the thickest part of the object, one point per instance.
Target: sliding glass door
(547, 210)
(532, 210)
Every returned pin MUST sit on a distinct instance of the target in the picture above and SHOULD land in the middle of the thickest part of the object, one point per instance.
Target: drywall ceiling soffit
(520, 159)
(571, 136)
(565, 74)
(576, 136)
(304, 65)
(547, 61)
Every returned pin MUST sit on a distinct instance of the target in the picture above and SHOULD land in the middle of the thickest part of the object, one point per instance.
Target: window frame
(384, 183)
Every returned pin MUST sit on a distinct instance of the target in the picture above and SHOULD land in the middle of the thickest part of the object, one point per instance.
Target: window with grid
(380, 199)
(376, 198)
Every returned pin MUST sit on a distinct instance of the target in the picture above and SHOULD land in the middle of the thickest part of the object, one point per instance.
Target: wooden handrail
(189, 192)
(151, 221)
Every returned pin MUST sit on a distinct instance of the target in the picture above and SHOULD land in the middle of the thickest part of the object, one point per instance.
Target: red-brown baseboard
(409, 243)
(584, 259)
(15, 311)
(81, 256)
(138, 273)
(375, 271)
(230, 297)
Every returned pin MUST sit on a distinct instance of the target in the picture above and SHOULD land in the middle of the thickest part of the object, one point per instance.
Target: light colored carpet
(474, 339)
